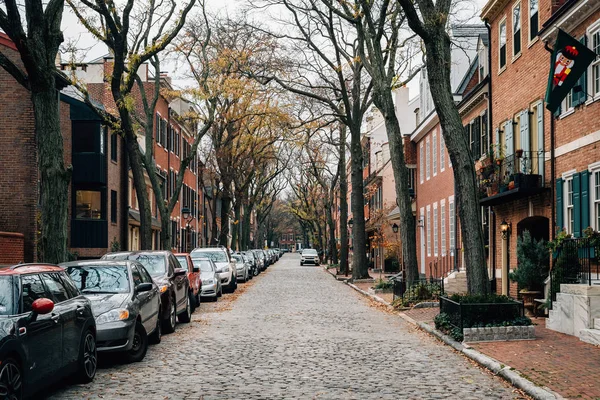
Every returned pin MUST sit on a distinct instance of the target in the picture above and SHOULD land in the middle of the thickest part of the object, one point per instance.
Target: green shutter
(577, 205)
(559, 204)
(585, 200)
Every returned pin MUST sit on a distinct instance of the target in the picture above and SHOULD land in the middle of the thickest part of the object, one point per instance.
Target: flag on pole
(568, 62)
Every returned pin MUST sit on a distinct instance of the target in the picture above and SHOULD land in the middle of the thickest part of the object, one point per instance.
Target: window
(502, 44)
(421, 163)
(434, 154)
(428, 223)
(451, 224)
(435, 229)
(443, 225)
(516, 15)
(482, 58)
(485, 224)
(88, 204)
(567, 104)
(595, 182)
(484, 142)
(72, 290)
(169, 138)
(157, 129)
(594, 44)
(569, 211)
(87, 137)
(427, 159)
(137, 277)
(533, 19)
(33, 289)
(113, 206)
(114, 147)
(442, 153)
(55, 287)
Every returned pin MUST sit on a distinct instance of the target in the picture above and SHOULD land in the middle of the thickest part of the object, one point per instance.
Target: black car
(172, 283)
(47, 330)
(125, 303)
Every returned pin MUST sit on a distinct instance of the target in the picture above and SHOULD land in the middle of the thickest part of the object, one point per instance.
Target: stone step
(590, 336)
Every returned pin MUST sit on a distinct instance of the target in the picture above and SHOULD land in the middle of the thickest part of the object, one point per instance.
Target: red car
(193, 276)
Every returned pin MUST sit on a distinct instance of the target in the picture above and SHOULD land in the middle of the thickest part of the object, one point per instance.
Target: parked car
(211, 282)
(262, 262)
(193, 277)
(225, 267)
(251, 261)
(242, 267)
(309, 256)
(125, 302)
(172, 283)
(47, 330)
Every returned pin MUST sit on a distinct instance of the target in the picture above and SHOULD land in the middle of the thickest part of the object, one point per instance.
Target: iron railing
(575, 260)
(444, 265)
(466, 315)
(523, 169)
(420, 289)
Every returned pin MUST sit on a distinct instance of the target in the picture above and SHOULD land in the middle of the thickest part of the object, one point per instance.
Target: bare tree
(430, 23)
(37, 37)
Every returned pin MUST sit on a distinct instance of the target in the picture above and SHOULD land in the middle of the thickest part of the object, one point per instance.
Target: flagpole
(552, 167)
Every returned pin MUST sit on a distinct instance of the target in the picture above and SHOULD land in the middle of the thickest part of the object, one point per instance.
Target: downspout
(490, 125)
(552, 168)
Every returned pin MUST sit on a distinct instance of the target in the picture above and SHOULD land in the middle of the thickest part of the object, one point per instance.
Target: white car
(309, 256)
(225, 267)
(241, 267)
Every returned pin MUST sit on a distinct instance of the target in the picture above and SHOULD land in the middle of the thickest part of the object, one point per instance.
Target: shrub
(381, 284)
(442, 323)
(533, 263)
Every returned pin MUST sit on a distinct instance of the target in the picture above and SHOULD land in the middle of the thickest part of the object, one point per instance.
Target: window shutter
(468, 135)
(157, 129)
(524, 129)
(541, 155)
(476, 139)
(577, 205)
(585, 200)
(559, 204)
(485, 145)
(508, 134)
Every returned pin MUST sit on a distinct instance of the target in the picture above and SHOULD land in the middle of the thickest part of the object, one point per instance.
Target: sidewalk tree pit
(483, 318)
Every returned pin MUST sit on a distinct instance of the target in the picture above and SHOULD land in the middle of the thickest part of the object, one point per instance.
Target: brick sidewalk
(560, 362)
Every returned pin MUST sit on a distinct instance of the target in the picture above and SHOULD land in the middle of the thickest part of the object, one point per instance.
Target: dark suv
(171, 279)
(47, 330)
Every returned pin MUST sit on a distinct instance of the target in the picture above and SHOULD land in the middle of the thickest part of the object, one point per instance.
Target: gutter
(490, 121)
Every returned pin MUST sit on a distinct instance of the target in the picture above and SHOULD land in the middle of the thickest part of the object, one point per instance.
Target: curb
(509, 374)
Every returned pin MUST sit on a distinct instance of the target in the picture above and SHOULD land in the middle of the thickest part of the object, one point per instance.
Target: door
(43, 337)
(154, 297)
(68, 308)
(143, 300)
(179, 283)
(422, 241)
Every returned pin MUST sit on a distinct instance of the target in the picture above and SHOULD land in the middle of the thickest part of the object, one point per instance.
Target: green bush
(533, 263)
(480, 298)
(381, 284)
(420, 292)
(442, 323)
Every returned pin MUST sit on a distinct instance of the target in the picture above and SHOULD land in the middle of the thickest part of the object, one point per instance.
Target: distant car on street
(47, 330)
(172, 283)
(309, 256)
(193, 277)
(225, 267)
(211, 282)
(125, 302)
(242, 267)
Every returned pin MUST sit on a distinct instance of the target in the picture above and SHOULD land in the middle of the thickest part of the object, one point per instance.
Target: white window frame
(516, 55)
(434, 153)
(593, 77)
(532, 40)
(442, 152)
(594, 192)
(428, 223)
(421, 163)
(501, 68)
(452, 227)
(568, 208)
(436, 223)
(566, 106)
(427, 159)
(443, 225)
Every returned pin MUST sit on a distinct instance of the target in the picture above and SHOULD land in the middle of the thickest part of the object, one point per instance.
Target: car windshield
(216, 256)
(155, 264)
(309, 252)
(204, 265)
(100, 279)
(6, 295)
(237, 258)
(183, 261)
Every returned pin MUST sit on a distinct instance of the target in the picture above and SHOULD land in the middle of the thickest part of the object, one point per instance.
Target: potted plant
(532, 270)
(519, 153)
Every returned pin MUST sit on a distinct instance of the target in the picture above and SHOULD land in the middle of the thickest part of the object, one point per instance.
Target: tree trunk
(438, 70)
(360, 268)
(332, 245)
(225, 205)
(141, 190)
(343, 204)
(53, 175)
(246, 227)
(235, 236)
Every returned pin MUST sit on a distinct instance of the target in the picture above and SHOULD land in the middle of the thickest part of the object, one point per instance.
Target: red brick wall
(12, 245)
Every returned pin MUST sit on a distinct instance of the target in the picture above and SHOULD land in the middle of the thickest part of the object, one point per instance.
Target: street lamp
(395, 228)
(188, 217)
(504, 228)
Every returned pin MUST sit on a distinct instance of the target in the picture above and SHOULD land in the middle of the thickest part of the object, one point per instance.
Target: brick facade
(13, 248)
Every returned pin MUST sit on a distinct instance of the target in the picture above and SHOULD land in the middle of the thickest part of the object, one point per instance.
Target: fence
(421, 289)
(575, 261)
(465, 315)
(442, 266)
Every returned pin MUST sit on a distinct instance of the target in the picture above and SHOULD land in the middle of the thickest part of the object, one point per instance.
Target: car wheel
(192, 301)
(140, 344)
(88, 358)
(156, 336)
(186, 316)
(219, 293)
(169, 323)
(198, 300)
(11, 380)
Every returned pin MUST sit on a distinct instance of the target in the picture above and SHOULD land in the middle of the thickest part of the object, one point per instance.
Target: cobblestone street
(293, 332)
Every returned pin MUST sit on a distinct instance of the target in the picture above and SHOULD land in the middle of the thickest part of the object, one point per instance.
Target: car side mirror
(42, 306)
(195, 269)
(180, 272)
(143, 287)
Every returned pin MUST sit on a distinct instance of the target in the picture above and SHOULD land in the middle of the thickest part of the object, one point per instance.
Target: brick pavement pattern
(295, 333)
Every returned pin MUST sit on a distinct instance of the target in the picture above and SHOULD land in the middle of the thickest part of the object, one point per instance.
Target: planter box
(499, 333)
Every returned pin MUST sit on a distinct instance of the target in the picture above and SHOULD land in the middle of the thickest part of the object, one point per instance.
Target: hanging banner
(568, 62)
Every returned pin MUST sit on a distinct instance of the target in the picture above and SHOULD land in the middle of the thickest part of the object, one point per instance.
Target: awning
(134, 216)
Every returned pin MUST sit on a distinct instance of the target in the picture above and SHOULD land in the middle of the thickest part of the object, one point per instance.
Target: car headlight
(209, 281)
(119, 314)
(225, 269)
(163, 288)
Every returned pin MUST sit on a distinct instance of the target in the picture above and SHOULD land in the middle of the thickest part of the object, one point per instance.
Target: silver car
(241, 266)
(211, 283)
(225, 267)
(309, 256)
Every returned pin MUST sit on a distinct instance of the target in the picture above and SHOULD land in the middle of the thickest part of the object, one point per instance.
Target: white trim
(593, 167)
(421, 162)
(425, 126)
(428, 232)
(434, 153)
(442, 152)
(436, 230)
(515, 56)
(501, 68)
(575, 16)
(427, 159)
(531, 41)
(576, 144)
(568, 174)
